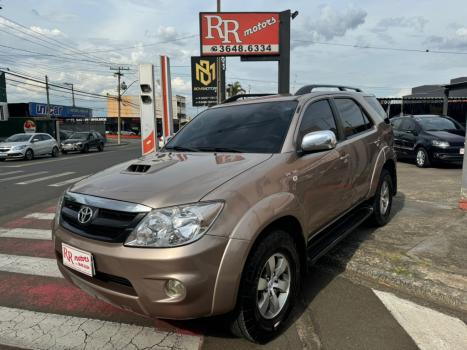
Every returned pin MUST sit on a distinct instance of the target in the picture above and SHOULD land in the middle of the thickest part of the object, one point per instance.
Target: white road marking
(430, 329)
(27, 233)
(29, 265)
(11, 172)
(40, 216)
(61, 159)
(38, 330)
(67, 182)
(23, 176)
(45, 178)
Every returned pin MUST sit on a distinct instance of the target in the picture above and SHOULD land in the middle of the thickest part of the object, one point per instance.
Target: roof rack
(239, 96)
(309, 88)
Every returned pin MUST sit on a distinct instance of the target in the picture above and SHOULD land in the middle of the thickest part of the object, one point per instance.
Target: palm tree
(235, 89)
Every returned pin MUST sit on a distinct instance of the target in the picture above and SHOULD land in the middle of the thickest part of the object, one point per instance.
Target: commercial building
(130, 118)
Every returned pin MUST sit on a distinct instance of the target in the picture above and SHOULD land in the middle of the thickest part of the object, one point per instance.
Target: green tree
(235, 89)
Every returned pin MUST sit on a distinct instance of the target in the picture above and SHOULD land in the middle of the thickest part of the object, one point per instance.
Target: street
(334, 311)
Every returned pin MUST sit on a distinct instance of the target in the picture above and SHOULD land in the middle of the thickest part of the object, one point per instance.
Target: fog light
(174, 289)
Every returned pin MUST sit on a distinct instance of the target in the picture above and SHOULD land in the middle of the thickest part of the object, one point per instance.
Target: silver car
(28, 146)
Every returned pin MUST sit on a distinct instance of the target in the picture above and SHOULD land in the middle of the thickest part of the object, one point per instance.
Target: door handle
(343, 156)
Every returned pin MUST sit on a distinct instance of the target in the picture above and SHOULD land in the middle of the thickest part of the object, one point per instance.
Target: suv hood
(171, 179)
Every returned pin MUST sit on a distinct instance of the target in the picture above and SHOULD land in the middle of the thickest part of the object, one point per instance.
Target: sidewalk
(423, 250)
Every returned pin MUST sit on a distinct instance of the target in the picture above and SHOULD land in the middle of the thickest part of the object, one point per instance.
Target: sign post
(166, 86)
(254, 36)
(463, 199)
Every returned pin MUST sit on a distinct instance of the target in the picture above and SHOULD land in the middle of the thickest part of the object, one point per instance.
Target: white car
(28, 146)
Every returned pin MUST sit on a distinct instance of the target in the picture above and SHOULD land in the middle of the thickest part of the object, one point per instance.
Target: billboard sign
(239, 33)
(204, 81)
(40, 110)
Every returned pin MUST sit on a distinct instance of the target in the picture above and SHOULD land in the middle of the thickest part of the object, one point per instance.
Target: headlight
(79, 144)
(440, 144)
(175, 226)
(19, 147)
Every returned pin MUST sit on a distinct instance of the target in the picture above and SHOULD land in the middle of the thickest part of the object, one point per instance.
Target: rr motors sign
(239, 33)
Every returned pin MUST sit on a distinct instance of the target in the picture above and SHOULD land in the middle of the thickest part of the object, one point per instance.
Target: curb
(419, 287)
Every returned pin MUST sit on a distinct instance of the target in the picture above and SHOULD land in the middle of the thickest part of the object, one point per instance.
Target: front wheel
(100, 147)
(268, 289)
(55, 152)
(85, 149)
(422, 160)
(29, 155)
(382, 202)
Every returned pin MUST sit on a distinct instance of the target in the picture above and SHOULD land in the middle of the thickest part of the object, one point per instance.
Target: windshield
(79, 136)
(249, 128)
(438, 124)
(18, 138)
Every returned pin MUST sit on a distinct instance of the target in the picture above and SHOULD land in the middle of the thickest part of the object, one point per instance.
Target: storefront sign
(204, 80)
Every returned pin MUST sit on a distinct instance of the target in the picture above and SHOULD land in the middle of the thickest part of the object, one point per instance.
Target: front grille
(4, 149)
(105, 225)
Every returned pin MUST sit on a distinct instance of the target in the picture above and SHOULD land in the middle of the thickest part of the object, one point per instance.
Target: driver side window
(317, 116)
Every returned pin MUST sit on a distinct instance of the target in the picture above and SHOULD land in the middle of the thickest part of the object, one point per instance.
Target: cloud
(458, 41)
(55, 16)
(45, 31)
(181, 86)
(416, 23)
(331, 23)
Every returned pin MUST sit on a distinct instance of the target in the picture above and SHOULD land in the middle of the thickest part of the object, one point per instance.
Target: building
(129, 112)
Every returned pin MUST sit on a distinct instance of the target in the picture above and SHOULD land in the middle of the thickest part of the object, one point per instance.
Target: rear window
(248, 128)
(354, 121)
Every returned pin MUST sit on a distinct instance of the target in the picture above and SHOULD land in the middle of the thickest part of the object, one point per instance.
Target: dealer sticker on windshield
(77, 259)
(461, 151)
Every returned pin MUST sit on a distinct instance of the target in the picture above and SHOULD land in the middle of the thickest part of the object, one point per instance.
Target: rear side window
(407, 124)
(354, 121)
(373, 102)
(46, 137)
(318, 116)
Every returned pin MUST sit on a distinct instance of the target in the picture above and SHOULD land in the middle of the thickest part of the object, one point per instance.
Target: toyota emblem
(85, 215)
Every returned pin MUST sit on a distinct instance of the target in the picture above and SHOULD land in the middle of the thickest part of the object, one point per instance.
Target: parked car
(27, 146)
(65, 134)
(221, 220)
(429, 139)
(83, 142)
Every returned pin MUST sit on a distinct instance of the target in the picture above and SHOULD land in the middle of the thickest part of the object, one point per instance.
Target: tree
(235, 89)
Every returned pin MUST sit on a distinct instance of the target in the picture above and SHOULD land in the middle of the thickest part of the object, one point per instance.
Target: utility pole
(119, 74)
(218, 67)
(48, 97)
(72, 93)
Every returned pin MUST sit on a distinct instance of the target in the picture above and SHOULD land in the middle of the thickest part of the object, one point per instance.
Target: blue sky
(131, 31)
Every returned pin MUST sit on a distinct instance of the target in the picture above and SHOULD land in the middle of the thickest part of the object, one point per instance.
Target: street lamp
(72, 92)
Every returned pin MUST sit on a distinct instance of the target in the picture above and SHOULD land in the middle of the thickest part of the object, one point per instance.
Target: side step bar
(324, 241)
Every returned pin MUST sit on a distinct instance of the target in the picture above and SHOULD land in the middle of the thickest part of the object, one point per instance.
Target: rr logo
(224, 28)
(205, 73)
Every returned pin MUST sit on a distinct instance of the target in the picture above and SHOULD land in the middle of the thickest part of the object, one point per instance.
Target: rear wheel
(422, 160)
(269, 286)
(55, 152)
(29, 155)
(382, 202)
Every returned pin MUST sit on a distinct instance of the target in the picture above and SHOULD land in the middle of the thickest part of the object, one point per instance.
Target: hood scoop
(138, 168)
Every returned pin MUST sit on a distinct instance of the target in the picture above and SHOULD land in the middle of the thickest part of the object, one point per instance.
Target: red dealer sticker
(77, 259)
(239, 34)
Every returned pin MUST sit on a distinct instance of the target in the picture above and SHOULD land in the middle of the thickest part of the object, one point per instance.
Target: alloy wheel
(421, 157)
(273, 286)
(384, 198)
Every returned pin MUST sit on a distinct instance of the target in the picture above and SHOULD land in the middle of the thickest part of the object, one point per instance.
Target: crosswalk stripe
(37, 330)
(430, 329)
(28, 233)
(40, 216)
(22, 176)
(44, 178)
(29, 265)
(11, 173)
(69, 181)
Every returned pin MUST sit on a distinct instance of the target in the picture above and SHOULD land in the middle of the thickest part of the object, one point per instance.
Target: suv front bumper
(135, 278)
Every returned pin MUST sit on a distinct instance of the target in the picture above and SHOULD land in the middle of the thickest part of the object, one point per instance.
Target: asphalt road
(25, 184)
(333, 312)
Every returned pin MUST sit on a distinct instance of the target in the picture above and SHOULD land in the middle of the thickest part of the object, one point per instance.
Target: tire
(29, 155)
(85, 149)
(249, 320)
(422, 160)
(100, 147)
(382, 202)
(64, 152)
(55, 152)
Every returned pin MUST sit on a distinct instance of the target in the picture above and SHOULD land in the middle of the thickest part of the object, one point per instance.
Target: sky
(82, 39)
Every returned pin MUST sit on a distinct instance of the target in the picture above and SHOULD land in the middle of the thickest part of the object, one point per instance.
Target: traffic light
(147, 108)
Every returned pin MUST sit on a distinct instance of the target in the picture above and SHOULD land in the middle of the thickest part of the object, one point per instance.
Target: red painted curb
(29, 223)
(463, 204)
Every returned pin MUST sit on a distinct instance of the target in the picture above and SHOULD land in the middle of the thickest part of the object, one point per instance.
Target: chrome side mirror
(318, 141)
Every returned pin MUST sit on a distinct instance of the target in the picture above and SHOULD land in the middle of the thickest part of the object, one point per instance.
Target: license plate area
(78, 260)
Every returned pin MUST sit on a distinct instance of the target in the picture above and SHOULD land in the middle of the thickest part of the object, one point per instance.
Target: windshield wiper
(220, 149)
(182, 148)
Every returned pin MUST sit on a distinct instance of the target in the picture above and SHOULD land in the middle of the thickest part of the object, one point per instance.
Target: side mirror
(34, 140)
(318, 141)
